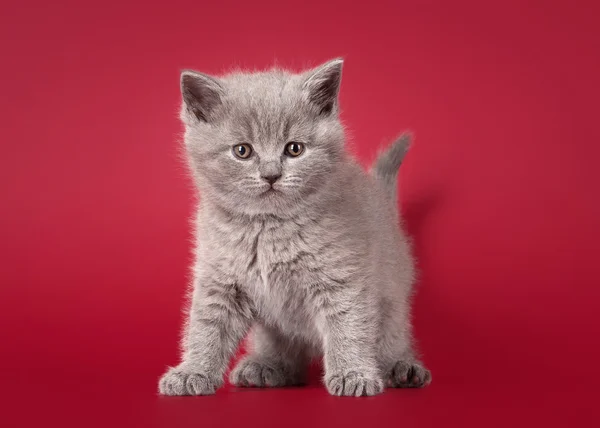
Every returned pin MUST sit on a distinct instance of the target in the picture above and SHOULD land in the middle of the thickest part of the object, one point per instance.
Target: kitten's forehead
(264, 91)
(264, 105)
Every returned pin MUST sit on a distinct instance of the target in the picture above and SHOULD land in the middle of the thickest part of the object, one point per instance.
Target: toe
(172, 383)
(182, 382)
(335, 385)
(353, 385)
(197, 384)
(251, 375)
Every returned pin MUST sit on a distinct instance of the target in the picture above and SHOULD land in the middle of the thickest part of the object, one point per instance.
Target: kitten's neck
(237, 216)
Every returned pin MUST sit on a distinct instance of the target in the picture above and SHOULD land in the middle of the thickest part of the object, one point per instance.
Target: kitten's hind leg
(398, 360)
(273, 361)
(409, 373)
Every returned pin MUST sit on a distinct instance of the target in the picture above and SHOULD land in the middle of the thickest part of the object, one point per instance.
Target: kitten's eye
(294, 149)
(242, 151)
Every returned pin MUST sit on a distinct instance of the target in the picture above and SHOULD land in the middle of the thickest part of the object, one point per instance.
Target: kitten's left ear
(201, 93)
(323, 85)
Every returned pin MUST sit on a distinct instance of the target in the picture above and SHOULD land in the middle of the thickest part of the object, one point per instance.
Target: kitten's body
(318, 266)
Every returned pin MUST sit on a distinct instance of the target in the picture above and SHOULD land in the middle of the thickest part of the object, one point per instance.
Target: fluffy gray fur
(315, 264)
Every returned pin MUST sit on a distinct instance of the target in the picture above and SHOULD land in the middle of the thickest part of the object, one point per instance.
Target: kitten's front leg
(220, 316)
(349, 329)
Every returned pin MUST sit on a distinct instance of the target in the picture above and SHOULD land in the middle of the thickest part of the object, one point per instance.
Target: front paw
(180, 381)
(353, 384)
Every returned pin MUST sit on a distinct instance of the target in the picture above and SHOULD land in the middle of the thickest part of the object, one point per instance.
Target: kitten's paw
(177, 381)
(251, 371)
(353, 384)
(409, 375)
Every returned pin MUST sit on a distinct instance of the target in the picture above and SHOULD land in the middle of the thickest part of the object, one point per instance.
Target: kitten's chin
(268, 202)
(270, 193)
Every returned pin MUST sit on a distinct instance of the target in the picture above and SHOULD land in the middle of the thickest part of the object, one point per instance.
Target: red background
(500, 192)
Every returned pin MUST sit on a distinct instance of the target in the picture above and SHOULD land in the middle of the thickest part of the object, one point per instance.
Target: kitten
(296, 244)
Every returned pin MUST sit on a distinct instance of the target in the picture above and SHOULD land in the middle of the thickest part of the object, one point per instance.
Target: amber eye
(242, 151)
(294, 149)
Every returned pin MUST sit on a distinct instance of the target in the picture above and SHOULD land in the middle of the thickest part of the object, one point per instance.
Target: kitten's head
(263, 143)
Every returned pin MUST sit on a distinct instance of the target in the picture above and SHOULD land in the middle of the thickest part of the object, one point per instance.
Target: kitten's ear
(201, 93)
(323, 85)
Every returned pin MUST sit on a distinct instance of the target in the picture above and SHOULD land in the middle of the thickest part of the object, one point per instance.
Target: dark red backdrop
(501, 193)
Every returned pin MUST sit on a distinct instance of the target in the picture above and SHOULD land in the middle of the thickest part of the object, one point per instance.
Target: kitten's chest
(276, 265)
(276, 256)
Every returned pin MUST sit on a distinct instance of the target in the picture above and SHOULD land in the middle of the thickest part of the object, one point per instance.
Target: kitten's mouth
(270, 191)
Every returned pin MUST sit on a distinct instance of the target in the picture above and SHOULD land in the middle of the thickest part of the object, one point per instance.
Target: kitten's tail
(388, 163)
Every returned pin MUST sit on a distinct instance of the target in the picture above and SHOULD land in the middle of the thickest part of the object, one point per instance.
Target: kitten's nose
(271, 178)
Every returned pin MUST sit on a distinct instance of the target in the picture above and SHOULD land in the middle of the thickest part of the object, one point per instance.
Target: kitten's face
(263, 143)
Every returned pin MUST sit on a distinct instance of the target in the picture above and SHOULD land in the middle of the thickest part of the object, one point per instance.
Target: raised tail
(388, 163)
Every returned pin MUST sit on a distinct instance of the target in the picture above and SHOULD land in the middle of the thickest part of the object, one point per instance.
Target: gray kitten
(295, 242)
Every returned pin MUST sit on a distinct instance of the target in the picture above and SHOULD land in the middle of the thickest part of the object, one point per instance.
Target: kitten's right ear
(201, 94)
(323, 85)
